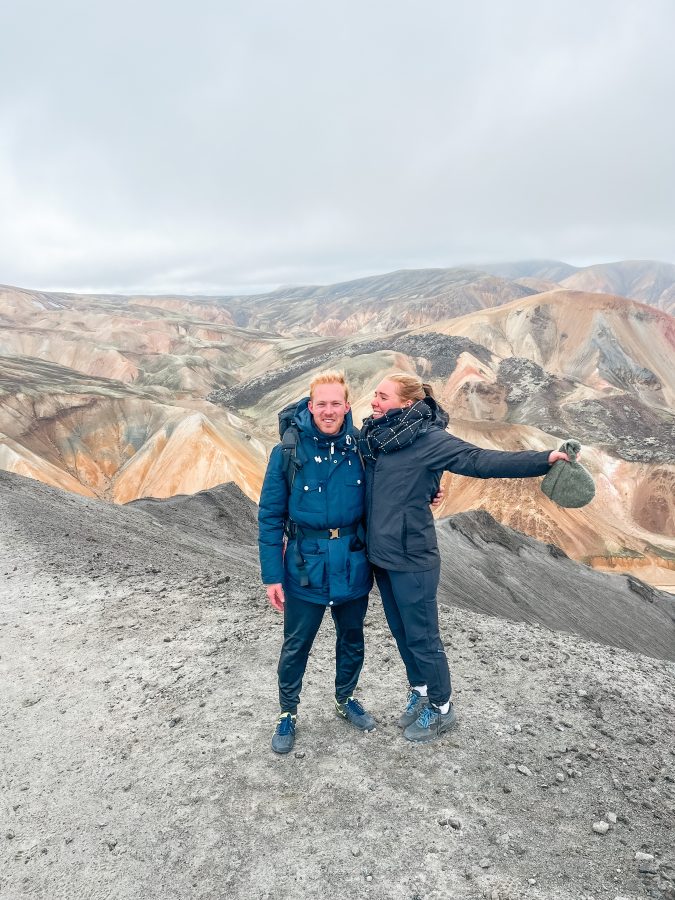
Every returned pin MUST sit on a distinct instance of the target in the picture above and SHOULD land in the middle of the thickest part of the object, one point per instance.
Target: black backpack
(293, 457)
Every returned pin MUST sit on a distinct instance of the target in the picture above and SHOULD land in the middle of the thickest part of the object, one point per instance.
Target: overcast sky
(223, 147)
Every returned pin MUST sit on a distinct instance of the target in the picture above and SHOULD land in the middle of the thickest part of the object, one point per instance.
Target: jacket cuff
(272, 576)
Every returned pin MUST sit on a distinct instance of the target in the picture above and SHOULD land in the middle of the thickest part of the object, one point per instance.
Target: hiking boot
(430, 724)
(351, 710)
(416, 703)
(284, 735)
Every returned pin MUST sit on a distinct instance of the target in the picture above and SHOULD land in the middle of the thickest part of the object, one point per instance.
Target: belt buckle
(334, 533)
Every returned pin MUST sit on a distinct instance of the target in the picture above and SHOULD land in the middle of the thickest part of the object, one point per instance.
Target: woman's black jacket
(400, 486)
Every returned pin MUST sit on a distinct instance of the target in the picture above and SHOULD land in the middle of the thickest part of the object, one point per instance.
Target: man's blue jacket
(328, 493)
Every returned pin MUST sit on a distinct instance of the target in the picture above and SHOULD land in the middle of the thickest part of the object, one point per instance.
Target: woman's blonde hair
(410, 387)
(329, 377)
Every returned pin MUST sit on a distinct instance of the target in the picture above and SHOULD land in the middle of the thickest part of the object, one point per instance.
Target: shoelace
(413, 699)
(355, 706)
(285, 725)
(427, 715)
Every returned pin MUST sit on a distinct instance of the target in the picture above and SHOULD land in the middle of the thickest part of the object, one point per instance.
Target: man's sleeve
(449, 453)
(272, 514)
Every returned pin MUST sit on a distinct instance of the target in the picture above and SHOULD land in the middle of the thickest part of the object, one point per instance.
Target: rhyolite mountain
(126, 397)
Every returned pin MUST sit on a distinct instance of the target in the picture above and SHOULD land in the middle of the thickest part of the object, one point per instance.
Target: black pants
(409, 601)
(301, 624)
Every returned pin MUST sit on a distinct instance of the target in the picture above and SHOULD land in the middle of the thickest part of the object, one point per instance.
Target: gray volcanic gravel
(138, 672)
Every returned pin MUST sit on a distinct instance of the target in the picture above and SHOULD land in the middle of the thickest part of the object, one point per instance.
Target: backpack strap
(293, 460)
(292, 454)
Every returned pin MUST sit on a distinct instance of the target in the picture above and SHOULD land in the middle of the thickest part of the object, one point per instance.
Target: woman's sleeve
(272, 515)
(448, 453)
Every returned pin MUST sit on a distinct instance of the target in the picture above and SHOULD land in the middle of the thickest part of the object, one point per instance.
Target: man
(312, 552)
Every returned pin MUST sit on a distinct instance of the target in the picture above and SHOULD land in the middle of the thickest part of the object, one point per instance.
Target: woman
(406, 449)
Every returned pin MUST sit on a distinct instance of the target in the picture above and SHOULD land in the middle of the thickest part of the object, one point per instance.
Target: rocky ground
(138, 671)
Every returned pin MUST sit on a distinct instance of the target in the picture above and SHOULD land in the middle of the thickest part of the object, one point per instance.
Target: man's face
(329, 407)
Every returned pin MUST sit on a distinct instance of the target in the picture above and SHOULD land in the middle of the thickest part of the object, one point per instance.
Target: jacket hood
(438, 414)
(305, 422)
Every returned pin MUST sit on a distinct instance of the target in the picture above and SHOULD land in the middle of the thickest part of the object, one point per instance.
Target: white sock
(421, 690)
(445, 708)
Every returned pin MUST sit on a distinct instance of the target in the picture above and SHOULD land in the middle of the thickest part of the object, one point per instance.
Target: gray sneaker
(351, 710)
(430, 724)
(415, 705)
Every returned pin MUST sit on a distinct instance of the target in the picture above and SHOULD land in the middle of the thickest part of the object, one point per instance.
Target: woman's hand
(275, 594)
(555, 455)
(438, 499)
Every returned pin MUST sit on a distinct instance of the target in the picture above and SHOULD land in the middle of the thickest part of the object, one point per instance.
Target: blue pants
(301, 624)
(409, 601)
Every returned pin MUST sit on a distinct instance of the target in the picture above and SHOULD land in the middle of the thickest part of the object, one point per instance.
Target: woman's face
(386, 397)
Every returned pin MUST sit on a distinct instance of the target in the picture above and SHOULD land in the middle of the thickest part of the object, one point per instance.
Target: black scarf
(395, 429)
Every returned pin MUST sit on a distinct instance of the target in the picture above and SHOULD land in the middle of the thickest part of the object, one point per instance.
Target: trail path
(138, 704)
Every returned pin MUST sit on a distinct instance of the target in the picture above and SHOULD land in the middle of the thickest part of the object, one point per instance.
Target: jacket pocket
(314, 567)
(358, 569)
(310, 494)
(352, 499)
(417, 534)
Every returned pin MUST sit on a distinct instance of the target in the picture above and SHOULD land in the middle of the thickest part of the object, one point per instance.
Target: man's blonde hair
(410, 387)
(331, 376)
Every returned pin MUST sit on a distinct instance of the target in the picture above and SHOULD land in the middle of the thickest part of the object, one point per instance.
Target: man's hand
(555, 455)
(438, 499)
(275, 594)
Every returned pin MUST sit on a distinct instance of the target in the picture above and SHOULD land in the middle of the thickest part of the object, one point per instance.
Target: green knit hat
(567, 483)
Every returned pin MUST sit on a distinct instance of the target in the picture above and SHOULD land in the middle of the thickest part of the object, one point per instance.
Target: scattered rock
(524, 770)
(601, 827)
(648, 868)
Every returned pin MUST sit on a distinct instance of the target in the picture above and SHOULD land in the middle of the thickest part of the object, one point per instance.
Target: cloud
(230, 146)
